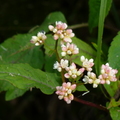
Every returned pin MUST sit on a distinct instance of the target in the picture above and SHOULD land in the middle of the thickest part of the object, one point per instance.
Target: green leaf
(16, 79)
(114, 53)
(11, 91)
(94, 8)
(23, 76)
(113, 59)
(50, 56)
(113, 103)
(49, 45)
(14, 93)
(49, 62)
(115, 113)
(81, 88)
(112, 88)
(50, 19)
(18, 49)
(84, 49)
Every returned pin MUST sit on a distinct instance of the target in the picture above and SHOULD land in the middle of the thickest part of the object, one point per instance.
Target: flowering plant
(71, 74)
(56, 61)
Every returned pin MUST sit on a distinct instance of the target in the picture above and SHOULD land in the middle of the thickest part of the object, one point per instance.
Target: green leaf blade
(114, 53)
(23, 76)
(113, 60)
(11, 91)
(115, 113)
(94, 8)
(18, 49)
(81, 88)
(50, 19)
(84, 50)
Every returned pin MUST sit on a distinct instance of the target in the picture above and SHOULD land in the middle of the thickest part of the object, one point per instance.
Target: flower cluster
(91, 79)
(87, 63)
(65, 92)
(39, 39)
(69, 49)
(61, 31)
(107, 74)
(73, 73)
(62, 65)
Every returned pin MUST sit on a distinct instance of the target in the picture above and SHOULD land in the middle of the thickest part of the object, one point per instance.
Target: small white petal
(37, 44)
(50, 27)
(69, 91)
(59, 69)
(82, 58)
(95, 85)
(91, 60)
(107, 82)
(69, 52)
(60, 97)
(68, 101)
(54, 30)
(102, 71)
(63, 53)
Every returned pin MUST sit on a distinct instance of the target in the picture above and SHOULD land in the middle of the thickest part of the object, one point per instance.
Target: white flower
(87, 64)
(62, 65)
(69, 49)
(57, 66)
(39, 39)
(91, 79)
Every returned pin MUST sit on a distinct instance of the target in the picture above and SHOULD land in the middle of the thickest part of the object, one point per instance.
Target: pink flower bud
(67, 75)
(55, 36)
(69, 31)
(71, 97)
(50, 27)
(82, 70)
(68, 84)
(66, 99)
(73, 86)
(102, 81)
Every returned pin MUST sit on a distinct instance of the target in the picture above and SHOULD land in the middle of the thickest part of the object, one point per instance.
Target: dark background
(19, 16)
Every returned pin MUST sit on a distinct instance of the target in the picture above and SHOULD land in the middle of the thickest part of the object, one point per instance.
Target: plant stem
(78, 25)
(57, 55)
(58, 58)
(86, 25)
(91, 104)
(100, 33)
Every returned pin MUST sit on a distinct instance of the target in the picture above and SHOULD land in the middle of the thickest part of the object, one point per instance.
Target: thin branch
(78, 26)
(58, 58)
(57, 55)
(91, 104)
(86, 25)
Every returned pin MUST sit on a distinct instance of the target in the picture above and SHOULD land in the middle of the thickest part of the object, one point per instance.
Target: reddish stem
(91, 104)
